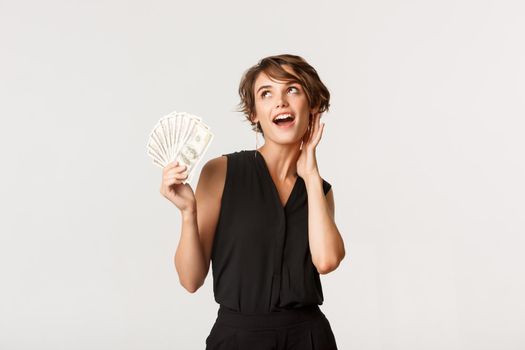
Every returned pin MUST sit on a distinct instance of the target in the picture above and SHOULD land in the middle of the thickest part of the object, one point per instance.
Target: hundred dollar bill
(194, 146)
(179, 136)
(155, 148)
(165, 128)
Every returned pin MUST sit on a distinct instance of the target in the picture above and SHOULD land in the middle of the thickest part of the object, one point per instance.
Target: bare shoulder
(216, 164)
(213, 176)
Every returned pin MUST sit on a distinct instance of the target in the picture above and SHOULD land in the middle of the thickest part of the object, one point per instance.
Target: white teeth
(283, 116)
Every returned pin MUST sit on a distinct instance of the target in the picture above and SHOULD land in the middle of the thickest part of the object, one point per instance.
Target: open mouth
(284, 119)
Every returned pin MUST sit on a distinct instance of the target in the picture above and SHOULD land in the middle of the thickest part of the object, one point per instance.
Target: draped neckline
(275, 190)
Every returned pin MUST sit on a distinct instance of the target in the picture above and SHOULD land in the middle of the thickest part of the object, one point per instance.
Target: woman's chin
(286, 140)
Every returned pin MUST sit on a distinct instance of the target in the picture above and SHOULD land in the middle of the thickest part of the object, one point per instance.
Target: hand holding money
(179, 137)
(174, 190)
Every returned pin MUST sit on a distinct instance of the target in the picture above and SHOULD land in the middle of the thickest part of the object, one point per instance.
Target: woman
(265, 217)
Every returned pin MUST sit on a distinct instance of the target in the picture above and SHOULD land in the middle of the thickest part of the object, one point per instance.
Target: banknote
(182, 137)
(194, 147)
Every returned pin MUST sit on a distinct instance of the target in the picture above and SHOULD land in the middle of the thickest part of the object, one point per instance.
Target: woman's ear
(253, 118)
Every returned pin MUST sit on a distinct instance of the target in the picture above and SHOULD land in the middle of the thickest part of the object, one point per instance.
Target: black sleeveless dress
(260, 257)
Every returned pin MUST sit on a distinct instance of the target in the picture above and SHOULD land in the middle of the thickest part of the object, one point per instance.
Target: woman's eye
(263, 94)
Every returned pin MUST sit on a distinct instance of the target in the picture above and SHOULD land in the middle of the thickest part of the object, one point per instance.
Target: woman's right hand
(174, 190)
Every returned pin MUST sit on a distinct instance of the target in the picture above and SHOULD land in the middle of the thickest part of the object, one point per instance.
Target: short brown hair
(305, 75)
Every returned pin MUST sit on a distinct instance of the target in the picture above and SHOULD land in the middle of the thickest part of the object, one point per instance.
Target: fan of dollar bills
(179, 136)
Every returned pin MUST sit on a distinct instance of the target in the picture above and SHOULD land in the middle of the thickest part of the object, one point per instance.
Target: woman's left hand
(307, 163)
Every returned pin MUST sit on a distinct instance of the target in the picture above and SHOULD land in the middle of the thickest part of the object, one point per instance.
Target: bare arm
(192, 258)
(326, 244)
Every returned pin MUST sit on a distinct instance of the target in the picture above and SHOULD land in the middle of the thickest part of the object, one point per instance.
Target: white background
(423, 146)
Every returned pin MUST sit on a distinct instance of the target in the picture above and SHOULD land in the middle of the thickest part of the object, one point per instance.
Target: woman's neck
(281, 160)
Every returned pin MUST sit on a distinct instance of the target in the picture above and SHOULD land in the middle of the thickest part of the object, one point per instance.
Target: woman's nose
(281, 101)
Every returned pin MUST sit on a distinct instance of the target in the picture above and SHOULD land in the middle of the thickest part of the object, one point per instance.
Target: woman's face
(275, 98)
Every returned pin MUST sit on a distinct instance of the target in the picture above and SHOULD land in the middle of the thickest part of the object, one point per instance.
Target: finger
(169, 182)
(316, 136)
(313, 127)
(173, 176)
(172, 165)
(319, 134)
(177, 182)
(168, 168)
(181, 176)
(177, 169)
(176, 179)
(316, 123)
(308, 135)
(172, 182)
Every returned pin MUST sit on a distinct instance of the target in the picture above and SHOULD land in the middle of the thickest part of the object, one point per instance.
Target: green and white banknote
(179, 136)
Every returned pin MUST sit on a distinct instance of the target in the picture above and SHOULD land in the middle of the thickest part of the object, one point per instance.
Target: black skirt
(305, 328)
